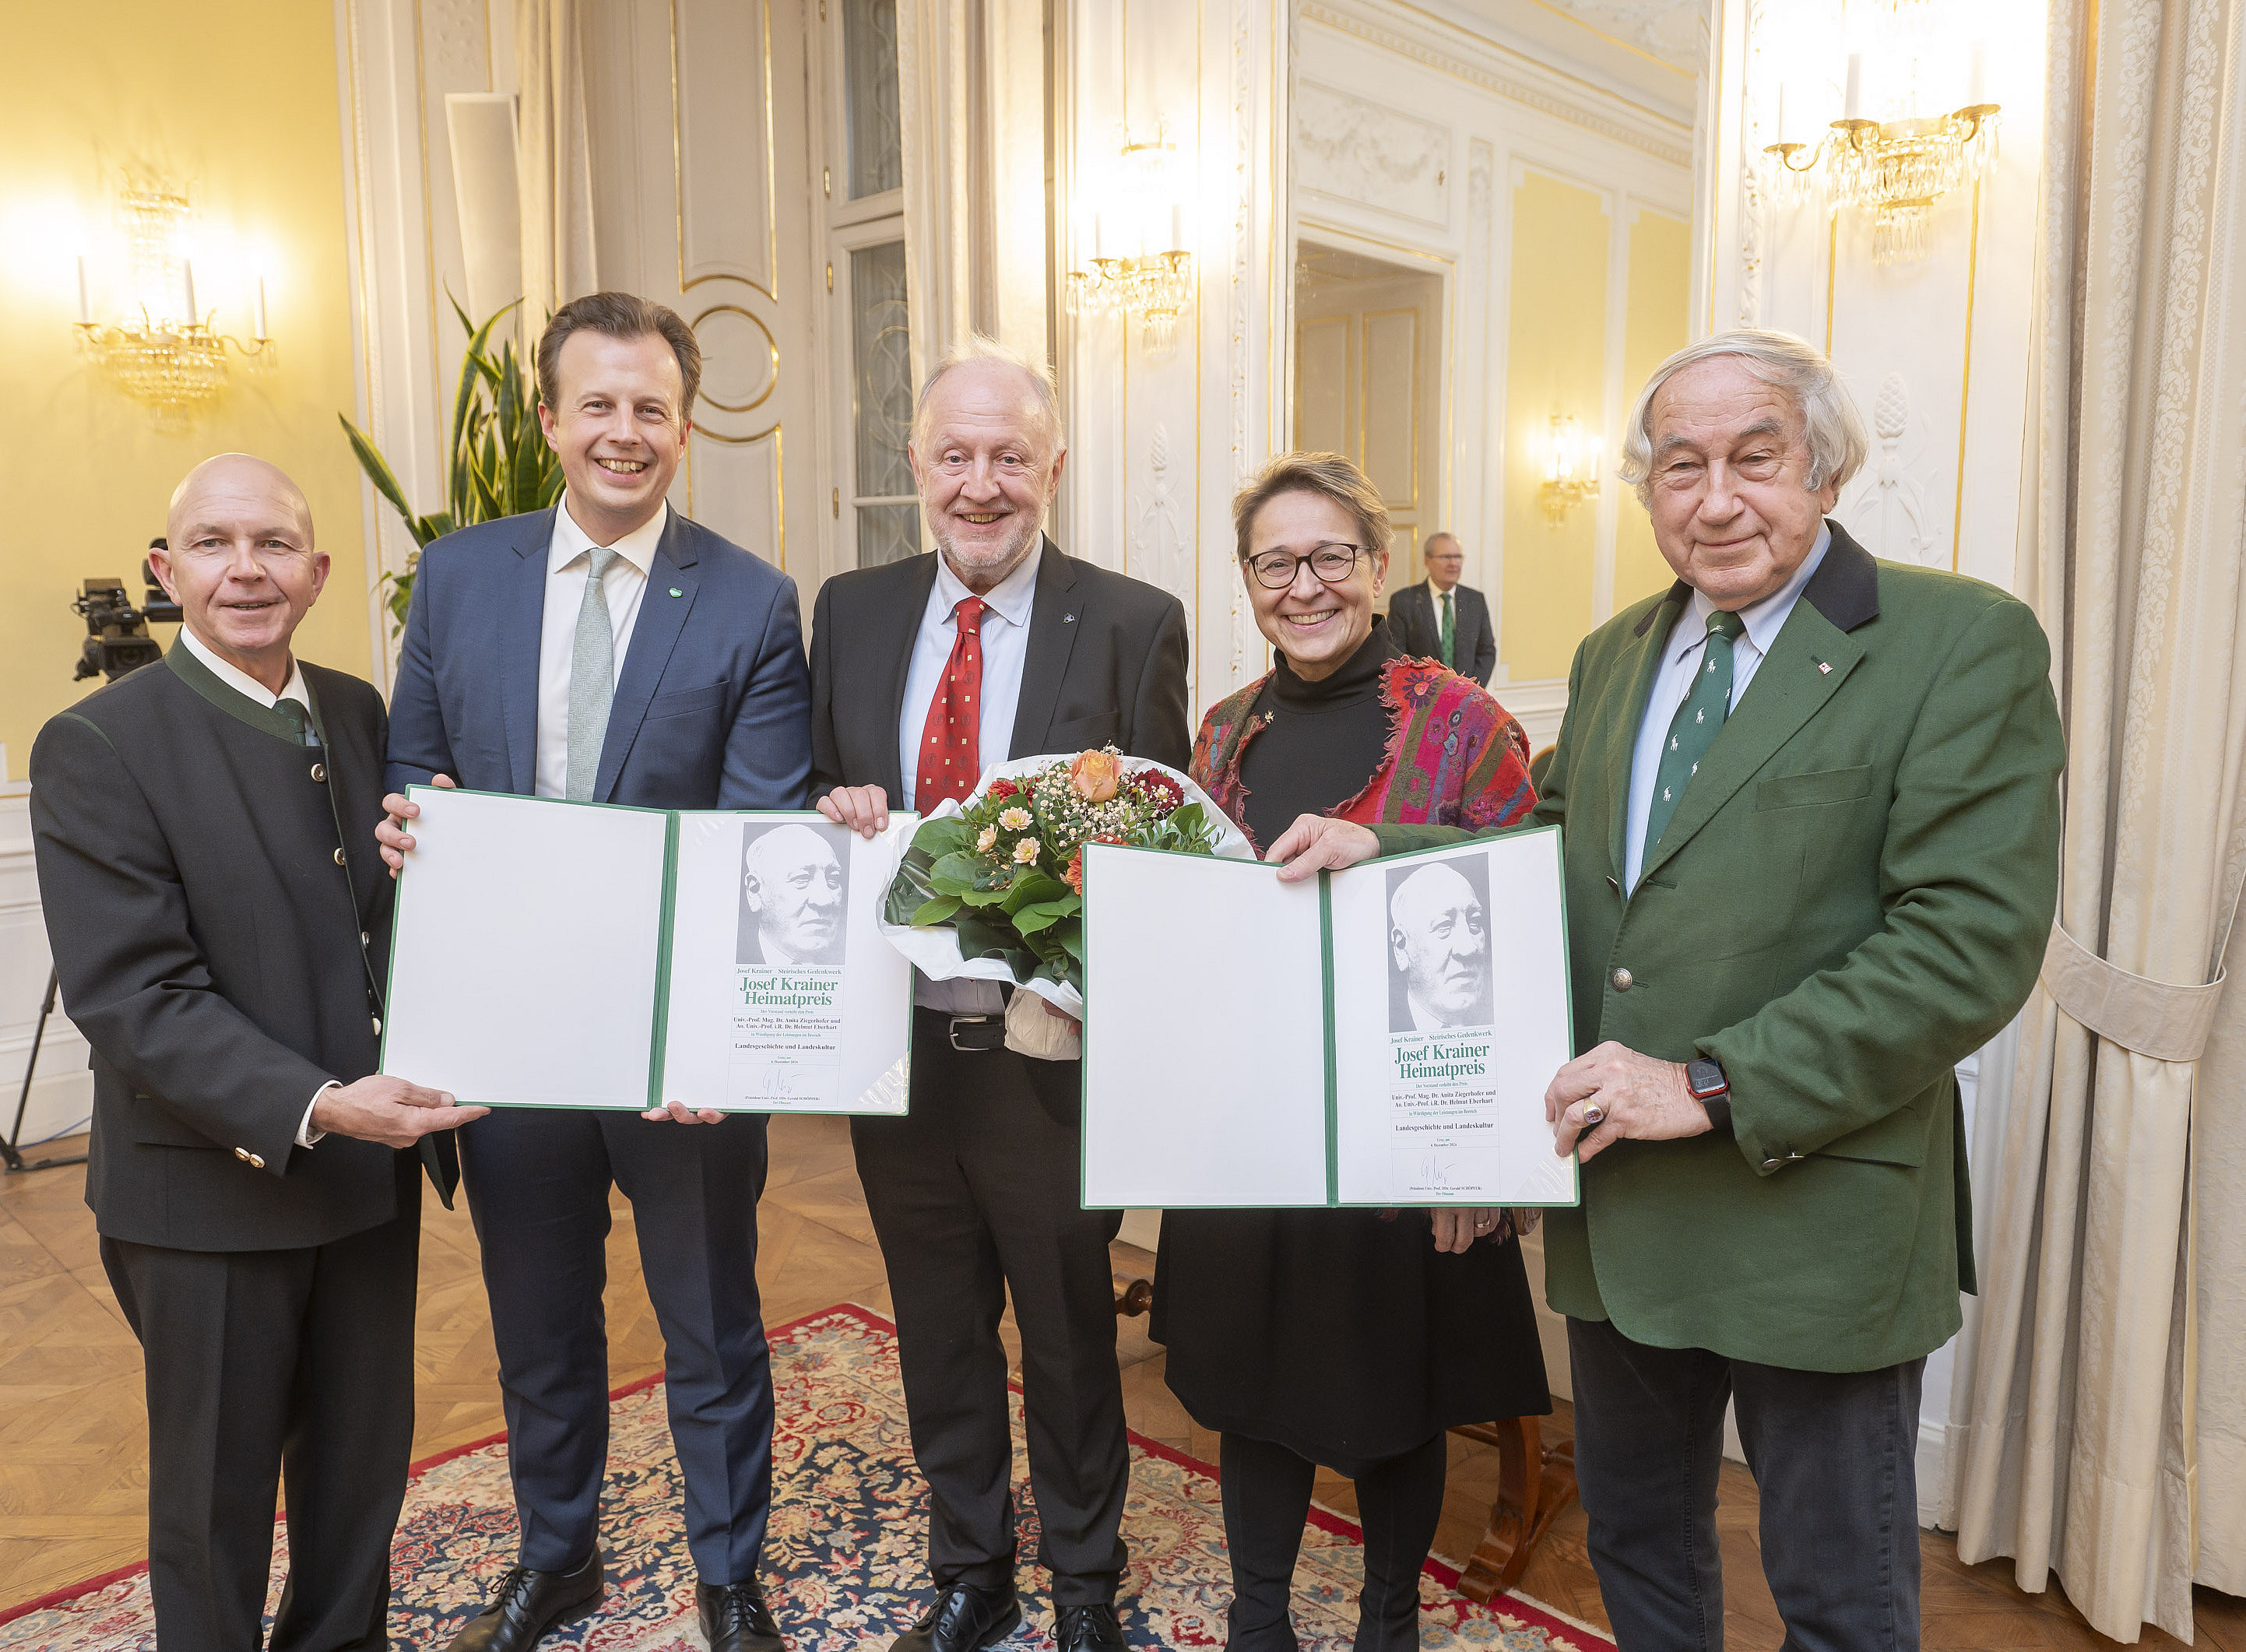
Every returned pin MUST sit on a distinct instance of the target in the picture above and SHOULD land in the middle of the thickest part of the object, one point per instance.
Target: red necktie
(950, 764)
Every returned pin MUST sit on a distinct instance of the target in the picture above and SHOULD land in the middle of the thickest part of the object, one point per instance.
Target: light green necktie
(1695, 727)
(1450, 632)
(592, 680)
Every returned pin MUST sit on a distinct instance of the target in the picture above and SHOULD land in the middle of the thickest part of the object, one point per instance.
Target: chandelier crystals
(1139, 262)
(1897, 168)
(168, 356)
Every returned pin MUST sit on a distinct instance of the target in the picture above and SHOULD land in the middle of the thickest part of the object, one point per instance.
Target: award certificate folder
(1383, 1035)
(553, 954)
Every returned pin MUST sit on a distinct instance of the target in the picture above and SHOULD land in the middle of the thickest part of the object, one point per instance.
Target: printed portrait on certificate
(792, 941)
(795, 895)
(1438, 957)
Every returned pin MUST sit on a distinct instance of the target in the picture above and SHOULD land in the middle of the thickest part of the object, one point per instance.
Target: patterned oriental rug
(844, 1561)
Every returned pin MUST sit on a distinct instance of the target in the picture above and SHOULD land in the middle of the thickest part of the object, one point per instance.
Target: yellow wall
(1553, 364)
(236, 99)
(1656, 323)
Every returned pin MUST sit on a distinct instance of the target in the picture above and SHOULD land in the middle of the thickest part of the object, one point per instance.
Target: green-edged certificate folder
(1383, 1035)
(551, 953)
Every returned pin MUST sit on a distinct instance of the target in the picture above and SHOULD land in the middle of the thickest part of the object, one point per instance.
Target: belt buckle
(957, 1021)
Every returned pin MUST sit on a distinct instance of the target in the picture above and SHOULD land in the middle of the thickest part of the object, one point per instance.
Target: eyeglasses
(1274, 570)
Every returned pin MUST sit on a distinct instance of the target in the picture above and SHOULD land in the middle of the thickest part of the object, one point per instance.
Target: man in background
(221, 924)
(924, 673)
(1440, 619)
(611, 652)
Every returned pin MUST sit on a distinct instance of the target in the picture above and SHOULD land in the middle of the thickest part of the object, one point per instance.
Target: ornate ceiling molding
(1512, 75)
(1674, 30)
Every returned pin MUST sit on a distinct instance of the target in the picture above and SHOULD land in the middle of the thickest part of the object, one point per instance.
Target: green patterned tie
(1450, 632)
(1697, 723)
(299, 721)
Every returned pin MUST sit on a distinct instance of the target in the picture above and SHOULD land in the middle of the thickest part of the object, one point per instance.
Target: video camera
(118, 639)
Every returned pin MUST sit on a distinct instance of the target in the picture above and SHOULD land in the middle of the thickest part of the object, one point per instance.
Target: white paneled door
(704, 173)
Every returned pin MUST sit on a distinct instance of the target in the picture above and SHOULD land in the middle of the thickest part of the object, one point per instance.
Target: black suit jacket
(1107, 661)
(1411, 617)
(221, 963)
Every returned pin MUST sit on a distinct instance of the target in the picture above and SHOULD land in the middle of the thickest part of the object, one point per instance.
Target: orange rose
(1095, 775)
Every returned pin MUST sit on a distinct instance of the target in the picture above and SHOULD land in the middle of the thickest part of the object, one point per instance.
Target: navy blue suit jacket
(713, 710)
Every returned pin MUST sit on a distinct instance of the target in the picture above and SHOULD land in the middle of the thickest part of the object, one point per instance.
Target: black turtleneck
(1324, 742)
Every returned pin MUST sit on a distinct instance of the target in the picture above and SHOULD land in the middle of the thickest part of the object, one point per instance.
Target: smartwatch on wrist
(1705, 1082)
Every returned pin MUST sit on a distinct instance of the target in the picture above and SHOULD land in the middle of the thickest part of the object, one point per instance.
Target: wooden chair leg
(1533, 1485)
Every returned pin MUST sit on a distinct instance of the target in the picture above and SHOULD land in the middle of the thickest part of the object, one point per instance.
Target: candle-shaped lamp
(257, 316)
(187, 279)
(84, 298)
(1856, 102)
(1177, 227)
(1976, 75)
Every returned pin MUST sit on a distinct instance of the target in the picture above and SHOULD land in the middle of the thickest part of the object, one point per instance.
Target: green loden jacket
(1853, 895)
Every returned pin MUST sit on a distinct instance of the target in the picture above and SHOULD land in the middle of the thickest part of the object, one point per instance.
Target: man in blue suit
(610, 650)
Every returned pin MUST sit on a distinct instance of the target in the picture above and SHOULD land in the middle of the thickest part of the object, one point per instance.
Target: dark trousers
(538, 1187)
(976, 1193)
(1834, 1455)
(1267, 1498)
(266, 1369)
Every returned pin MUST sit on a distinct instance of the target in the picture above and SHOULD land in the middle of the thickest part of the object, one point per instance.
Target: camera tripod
(15, 1161)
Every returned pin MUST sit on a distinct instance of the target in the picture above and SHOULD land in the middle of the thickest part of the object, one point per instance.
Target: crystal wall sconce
(1141, 264)
(1571, 469)
(1894, 169)
(166, 355)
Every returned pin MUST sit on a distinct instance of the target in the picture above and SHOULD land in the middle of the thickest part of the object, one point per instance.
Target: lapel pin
(674, 591)
(1824, 666)
(1068, 619)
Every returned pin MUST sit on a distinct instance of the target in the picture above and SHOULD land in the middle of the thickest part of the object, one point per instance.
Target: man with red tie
(924, 672)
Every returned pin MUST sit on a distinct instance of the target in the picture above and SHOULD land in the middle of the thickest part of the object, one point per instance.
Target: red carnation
(1159, 789)
(1074, 876)
(1001, 789)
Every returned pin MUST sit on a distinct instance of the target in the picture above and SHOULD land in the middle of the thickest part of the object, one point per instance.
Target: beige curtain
(554, 176)
(971, 102)
(2107, 1388)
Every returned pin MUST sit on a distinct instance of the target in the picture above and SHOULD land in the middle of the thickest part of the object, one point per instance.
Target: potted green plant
(501, 464)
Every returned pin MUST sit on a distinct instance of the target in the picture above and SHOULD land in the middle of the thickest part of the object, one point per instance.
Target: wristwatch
(1705, 1082)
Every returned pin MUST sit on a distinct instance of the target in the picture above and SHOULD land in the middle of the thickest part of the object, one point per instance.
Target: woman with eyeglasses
(1347, 1339)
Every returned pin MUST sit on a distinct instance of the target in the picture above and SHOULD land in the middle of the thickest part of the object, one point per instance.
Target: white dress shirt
(569, 559)
(242, 684)
(1680, 663)
(251, 690)
(1005, 636)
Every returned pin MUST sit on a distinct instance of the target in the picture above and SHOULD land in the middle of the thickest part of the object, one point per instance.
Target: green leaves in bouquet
(1188, 830)
(912, 899)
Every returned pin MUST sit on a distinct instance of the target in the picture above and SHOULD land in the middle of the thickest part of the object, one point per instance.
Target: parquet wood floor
(73, 1438)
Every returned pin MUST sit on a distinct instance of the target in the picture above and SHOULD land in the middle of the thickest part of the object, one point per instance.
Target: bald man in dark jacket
(221, 918)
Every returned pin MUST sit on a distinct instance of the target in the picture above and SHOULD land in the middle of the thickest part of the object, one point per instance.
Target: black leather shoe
(736, 1619)
(1087, 1628)
(532, 1605)
(963, 1619)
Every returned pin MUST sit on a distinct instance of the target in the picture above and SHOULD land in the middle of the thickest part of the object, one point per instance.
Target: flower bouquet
(992, 889)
